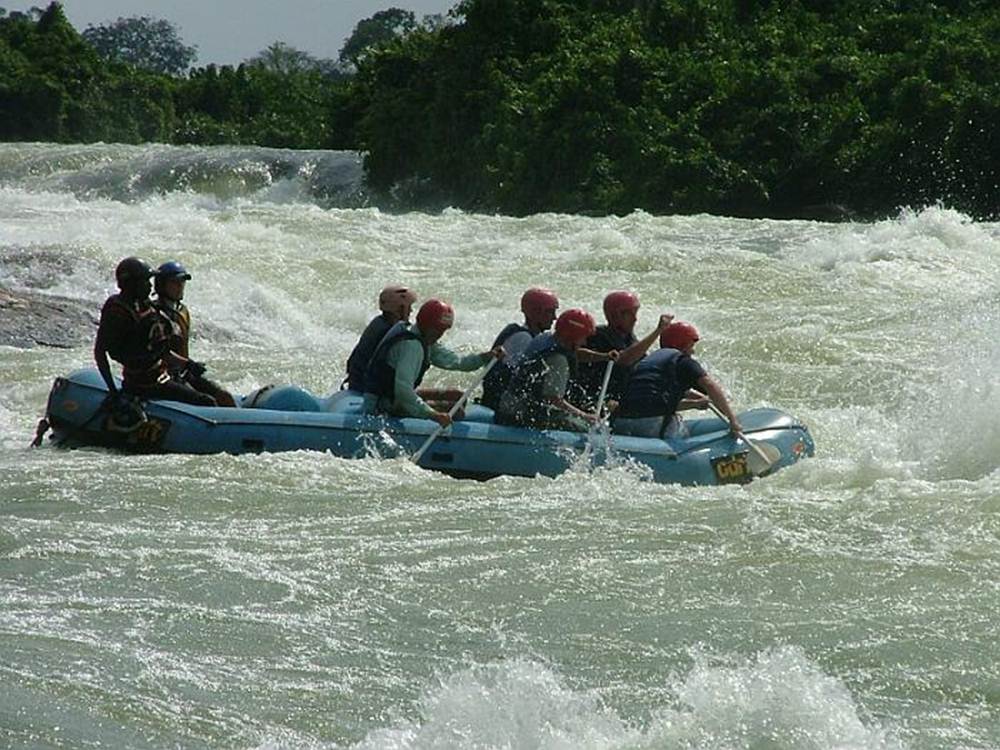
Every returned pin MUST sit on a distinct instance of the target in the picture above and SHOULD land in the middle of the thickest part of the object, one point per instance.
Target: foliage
(284, 59)
(380, 28)
(737, 107)
(148, 43)
(55, 86)
(748, 107)
(255, 103)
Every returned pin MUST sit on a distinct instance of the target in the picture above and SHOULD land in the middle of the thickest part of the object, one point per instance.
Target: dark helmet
(172, 269)
(169, 270)
(130, 271)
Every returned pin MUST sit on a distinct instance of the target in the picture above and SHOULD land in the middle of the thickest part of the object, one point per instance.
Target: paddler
(133, 333)
(621, 311)
(662, 384)
(169, 282)
(395, 303)
(539, 307)
(403, 357)
(536, 394)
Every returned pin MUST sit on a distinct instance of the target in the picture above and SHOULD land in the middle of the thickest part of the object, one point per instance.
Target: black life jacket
(586, 386)
(525, 388)
(500, 374)
(363, 351)
(380, 377)
(147, 342)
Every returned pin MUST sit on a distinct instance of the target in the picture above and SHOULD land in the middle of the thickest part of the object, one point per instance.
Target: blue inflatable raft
(287, 418)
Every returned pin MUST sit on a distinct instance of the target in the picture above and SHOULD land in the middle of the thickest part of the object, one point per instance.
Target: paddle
(592, 433)
(767, 455)
(415, 458)
(604, 389)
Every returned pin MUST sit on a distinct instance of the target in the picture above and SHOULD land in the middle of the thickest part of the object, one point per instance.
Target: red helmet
(679, 335)
(435, 315)
(575, 326)
(538, 304)
(393, 296)
(617, 302)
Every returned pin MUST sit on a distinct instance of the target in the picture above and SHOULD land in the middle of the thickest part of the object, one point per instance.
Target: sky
(226, 32)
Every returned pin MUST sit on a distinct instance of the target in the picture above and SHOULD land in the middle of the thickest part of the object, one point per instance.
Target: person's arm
(589, 355)
(554, 387)
(632, 354)
(103, 366)
(405, 358)
(186, 338)
(446, 359)
(693, 400)
(108, 332)
(707, 384)
(515, 345)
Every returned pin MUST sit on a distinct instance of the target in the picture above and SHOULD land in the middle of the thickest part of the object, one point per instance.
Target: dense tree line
(739, 107)
(129, 82)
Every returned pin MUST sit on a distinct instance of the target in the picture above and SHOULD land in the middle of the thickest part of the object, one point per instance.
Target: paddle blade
(762, 457)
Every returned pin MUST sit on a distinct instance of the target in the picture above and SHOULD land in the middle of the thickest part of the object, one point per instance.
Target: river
(303, 601)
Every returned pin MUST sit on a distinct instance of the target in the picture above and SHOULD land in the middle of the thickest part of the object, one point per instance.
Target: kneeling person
(135, 334)
(536, 395)
(396, 303)
(402, 359)
(169, 284)
(539, 307)
(661, 385)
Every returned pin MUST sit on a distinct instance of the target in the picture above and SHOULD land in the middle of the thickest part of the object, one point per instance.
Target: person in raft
(621, 311)
(403, 357)
(169, 282)
(662, 384)
(133, 332)
(536, 395)
(395, 303)
(539, 307)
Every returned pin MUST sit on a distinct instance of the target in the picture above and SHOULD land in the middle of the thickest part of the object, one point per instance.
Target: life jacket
(178, 317)
(141, 352)
(500, 374)
(586, 386)
(380, 377)
(654, 389)
(525, 388)
(357, 363)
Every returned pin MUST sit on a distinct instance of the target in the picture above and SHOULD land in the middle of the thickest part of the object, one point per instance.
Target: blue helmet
(172, 270)
(169, 270)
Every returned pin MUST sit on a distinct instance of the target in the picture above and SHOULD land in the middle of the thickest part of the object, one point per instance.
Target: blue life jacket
(654, 389)
(499, 376)
(525, 388)
(380, 377)
(357, 363)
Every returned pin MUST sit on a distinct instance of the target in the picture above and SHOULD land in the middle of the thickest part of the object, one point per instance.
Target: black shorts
(171, 390)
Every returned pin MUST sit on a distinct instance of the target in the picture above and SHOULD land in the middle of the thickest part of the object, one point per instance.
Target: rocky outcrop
(29, 319)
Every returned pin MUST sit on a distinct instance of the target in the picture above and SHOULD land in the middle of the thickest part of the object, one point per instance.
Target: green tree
(380, 28)
(147, 43)
(284, 59)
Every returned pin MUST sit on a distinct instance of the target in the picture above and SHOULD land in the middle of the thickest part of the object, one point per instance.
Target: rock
(29, 319)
